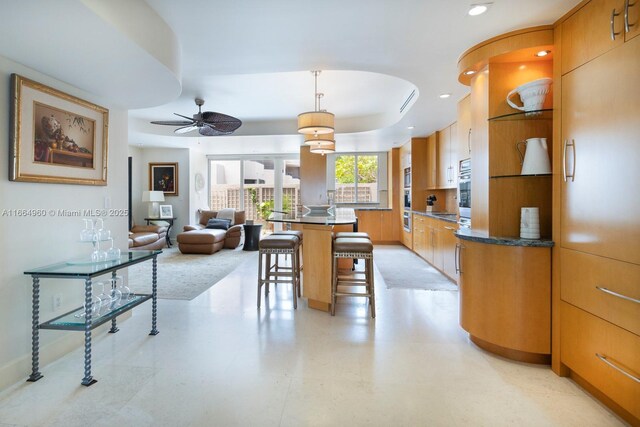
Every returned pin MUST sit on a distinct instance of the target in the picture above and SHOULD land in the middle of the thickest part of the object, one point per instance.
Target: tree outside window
(356, 179)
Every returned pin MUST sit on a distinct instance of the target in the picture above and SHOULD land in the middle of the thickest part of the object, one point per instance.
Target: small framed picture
(166, 211)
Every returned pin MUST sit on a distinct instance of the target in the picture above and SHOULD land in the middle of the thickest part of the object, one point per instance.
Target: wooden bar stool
(298, 234)
(278, 245)
(356, 248)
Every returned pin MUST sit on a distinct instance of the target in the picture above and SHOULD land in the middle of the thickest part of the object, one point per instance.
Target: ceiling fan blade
(172, 122)
(185, 117)
(208, 130)
(186, 129)
(221, 122)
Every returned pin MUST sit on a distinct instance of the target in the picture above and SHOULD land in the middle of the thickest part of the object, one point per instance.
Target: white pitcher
(535, 161)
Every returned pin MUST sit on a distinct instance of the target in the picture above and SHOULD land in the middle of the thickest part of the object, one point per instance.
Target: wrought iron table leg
(35, 331)
(88, 305)
(114, 326)
(154, 296)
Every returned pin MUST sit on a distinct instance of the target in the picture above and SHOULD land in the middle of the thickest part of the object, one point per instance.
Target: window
(256, 186)
(357, 178)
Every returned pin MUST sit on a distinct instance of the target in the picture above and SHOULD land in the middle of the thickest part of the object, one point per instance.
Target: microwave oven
(407, 177)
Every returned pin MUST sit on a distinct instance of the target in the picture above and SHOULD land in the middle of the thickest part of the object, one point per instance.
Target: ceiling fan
(207, 123)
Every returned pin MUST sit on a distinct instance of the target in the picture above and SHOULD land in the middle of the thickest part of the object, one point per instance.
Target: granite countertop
(443, 216)
(467, 234)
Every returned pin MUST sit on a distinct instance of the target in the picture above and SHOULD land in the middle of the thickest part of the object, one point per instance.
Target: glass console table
(81, 318)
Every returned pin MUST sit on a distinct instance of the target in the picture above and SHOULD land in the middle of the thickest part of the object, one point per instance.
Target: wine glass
(105, 299)
(103, 233)
(127, 295)
(113, 253)
(86, 235)
(96, 303)
(116, 293)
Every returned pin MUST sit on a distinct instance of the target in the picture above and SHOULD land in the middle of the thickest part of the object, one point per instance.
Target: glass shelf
(521, 176)
(545, 114)
(69, 322)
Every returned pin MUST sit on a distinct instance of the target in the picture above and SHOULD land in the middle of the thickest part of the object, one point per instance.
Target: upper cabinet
(447, 157)
(596, 28)
(464, 130)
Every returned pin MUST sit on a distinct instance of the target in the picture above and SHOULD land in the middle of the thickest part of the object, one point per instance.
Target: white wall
(198, 163)
(30, 242)
(180, 203)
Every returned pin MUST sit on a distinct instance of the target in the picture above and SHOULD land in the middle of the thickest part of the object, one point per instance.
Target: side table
(251, 237)
(169, 221)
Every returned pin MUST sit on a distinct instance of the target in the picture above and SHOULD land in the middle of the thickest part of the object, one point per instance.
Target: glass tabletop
(77, 268)
(342, 216)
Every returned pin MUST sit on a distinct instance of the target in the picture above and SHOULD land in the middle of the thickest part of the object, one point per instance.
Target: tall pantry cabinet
(596, 177)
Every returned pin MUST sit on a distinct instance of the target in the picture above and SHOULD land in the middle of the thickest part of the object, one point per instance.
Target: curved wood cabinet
(505, 299)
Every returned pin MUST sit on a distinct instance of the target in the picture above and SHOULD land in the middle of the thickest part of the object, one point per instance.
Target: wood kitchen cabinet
(505, 299)
(446, 170)
(377, 223)
(463, 134)
(587, 33)
(600, 128)
(419, 233)
(447, 245)
(597, 267)
(431, 169)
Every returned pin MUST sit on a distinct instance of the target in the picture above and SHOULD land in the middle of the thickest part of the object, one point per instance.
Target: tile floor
(218, 361)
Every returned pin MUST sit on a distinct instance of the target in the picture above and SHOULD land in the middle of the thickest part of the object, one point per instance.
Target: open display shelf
(69, 321)
(545, 114)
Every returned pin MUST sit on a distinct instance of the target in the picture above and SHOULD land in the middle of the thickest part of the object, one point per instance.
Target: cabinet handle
(450, 228)
(622, 371)
(627, 5)
(615, 294)
(613, 19)
(469, 140)
(455, 258)
(567, 144)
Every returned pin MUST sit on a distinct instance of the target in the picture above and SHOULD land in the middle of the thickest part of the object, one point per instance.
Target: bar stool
(356, 248)
(278, 245)
(361, 234)
(298, 234)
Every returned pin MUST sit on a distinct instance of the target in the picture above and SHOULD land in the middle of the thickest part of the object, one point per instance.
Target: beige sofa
(147, 237)
(197, 239)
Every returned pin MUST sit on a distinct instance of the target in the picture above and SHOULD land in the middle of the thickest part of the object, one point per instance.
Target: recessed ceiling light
(410, 127)
(478, 9)
(543, 53)
(469, 73)
(445, 95)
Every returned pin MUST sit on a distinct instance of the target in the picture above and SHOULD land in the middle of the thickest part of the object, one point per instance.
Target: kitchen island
(316, 252)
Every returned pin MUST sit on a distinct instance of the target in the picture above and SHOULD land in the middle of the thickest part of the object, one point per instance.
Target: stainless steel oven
(406, 220)
(464, 191)
(407, 199)
(407, 177)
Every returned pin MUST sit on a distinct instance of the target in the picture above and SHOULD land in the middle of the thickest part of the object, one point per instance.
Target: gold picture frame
(56, 137)
(164, 177)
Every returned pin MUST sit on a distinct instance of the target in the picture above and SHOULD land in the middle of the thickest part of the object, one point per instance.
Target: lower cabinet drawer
(606, 356)
(602, 286)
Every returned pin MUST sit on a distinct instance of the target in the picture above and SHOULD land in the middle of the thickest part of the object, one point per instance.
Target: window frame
(381, 177)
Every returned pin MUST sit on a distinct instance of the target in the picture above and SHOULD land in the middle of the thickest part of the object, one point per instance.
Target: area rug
(401, 268)
(182, 276)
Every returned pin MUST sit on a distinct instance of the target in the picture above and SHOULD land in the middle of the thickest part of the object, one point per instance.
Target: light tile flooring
(219, 361)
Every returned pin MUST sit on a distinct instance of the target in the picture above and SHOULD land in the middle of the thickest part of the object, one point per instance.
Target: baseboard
(19, 369)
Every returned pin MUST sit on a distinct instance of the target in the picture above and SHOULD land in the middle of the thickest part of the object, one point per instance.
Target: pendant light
(316, 122)
(323, 149)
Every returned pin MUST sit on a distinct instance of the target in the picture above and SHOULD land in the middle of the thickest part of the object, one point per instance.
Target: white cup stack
(529, 223)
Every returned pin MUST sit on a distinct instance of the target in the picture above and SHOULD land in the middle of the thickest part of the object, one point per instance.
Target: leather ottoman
(207, 241)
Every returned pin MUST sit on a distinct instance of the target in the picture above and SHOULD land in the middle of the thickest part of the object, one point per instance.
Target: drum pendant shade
(319, 139)
(315, 122)
(323, 149)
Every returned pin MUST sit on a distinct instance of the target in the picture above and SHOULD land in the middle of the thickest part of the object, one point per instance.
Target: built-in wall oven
(407, 177)
(464, 193)
(406, 220)
(407, 199)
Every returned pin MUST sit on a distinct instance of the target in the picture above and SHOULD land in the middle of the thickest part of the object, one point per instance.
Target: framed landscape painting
(164, 177)
(56, 137)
